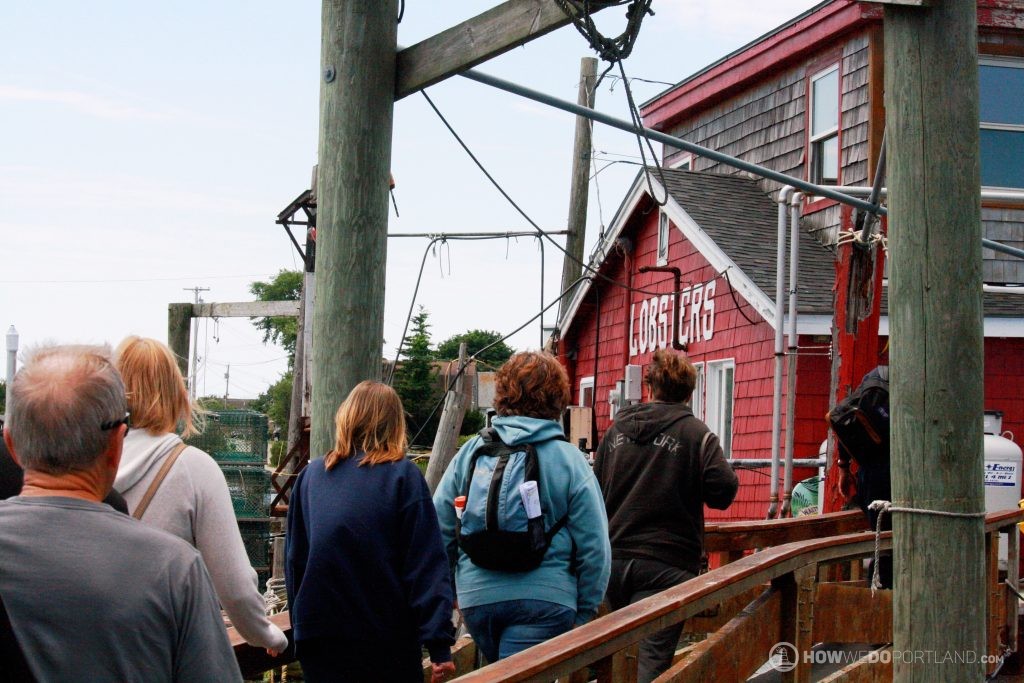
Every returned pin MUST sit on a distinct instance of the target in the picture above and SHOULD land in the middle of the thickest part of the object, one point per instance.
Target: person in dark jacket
(658, 466)
(365, 569)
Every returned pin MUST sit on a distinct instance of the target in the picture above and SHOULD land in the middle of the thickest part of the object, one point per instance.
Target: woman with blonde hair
(367, 575)
(191, 500)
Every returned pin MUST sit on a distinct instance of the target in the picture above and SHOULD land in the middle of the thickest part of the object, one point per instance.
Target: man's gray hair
(56, 404)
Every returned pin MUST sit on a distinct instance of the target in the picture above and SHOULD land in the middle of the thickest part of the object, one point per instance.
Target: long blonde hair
(157, 397)
(371, 420)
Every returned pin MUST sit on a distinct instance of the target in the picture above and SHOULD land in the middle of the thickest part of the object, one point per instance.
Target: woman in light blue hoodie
(506, 611)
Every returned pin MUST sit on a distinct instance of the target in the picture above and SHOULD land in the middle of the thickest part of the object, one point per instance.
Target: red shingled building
(805, 99)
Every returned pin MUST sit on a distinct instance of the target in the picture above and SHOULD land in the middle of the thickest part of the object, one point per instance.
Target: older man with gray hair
(92, 594)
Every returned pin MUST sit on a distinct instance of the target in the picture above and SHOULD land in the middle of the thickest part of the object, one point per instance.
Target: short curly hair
(531, 384)
(671, 377)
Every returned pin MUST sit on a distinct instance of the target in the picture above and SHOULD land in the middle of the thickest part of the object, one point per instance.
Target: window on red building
(586, 392)
(663, 234)
(718, 401)
(823, 125)
(1001, 100)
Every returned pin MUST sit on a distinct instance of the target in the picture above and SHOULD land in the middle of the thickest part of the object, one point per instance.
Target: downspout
(794, 253)
(597, 354)
(780, 284)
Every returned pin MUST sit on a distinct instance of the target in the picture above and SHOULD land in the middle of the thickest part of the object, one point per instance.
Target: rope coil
(883, 507)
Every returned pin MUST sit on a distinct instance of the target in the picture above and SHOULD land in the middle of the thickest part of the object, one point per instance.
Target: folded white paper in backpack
(531, 499)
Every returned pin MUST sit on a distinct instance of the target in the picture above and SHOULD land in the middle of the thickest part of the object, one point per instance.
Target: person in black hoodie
(658, 465)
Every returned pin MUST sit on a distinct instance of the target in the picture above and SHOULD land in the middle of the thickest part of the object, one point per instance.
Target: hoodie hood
(644, 421)
(516, 429)
(142, 454)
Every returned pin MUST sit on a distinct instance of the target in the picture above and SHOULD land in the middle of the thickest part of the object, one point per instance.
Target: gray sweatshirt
(194, 504)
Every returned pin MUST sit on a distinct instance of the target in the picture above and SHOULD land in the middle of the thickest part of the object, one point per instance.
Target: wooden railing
(794, 606)
(796, 589)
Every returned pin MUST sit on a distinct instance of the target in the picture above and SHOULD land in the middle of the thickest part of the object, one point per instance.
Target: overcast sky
(146, 148)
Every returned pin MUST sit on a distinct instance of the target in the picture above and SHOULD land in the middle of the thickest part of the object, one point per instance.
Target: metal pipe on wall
(794, 253)
(12, 366)
(780, 356)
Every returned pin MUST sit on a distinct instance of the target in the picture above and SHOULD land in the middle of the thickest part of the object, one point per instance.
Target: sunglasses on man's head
(114, 424)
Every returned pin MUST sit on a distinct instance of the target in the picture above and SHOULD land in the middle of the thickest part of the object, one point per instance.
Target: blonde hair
(371, 420)
(157, 397)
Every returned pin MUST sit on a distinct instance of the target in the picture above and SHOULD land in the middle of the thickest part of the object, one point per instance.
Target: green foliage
(276, 403)
(473, 422)
(476, 340)
(212, 404)
(286, 286)
(416, 382)
(277, 451)
(3, 398)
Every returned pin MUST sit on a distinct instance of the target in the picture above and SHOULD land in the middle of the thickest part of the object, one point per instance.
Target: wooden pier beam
(357, 85)
(937, 359)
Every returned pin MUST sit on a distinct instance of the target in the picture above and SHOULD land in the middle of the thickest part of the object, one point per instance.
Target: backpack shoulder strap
(169, 461)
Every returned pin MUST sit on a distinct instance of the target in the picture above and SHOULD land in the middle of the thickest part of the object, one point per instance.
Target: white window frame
(587, 383)
(814, 168)
(683, 162)
(1006, 62)
(664, 230)
(697, 400)
(721, 398)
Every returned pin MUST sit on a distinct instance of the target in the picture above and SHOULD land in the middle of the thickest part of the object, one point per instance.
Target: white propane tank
(1002, 479)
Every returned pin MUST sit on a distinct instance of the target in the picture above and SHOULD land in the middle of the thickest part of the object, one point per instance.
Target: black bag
(861, 420)
(495, 531)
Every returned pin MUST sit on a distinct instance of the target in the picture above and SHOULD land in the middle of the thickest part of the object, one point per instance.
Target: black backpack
(495, 531)
(861, 420)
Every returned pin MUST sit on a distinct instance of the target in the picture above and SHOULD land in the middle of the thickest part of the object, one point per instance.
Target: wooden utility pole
(579, 193)
(449, 426)
(935, 290)
(179, 319)
(357, 93)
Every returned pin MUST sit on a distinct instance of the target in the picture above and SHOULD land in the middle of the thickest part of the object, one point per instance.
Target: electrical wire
(472, 358)
(732, 293)
(587, 267)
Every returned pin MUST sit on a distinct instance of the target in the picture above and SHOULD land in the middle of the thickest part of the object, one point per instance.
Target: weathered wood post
(931, 78)
(579, 191)
(450, 426)
(357, 92)
(179, 318)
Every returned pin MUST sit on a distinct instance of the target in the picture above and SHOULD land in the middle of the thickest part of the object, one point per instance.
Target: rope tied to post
(883, 507)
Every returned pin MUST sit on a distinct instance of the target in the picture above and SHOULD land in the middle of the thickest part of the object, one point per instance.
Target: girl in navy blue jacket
(366, 571)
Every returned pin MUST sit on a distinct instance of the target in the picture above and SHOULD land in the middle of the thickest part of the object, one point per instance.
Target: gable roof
(743, 220)
(732, 222)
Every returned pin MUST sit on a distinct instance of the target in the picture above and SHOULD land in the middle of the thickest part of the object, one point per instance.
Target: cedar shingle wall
(750, 346)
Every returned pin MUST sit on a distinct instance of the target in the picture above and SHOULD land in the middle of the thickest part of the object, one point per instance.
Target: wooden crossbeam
(247, 309)
(463, 46)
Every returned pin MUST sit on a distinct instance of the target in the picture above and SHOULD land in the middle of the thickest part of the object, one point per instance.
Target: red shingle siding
(751, 346)
(1004, 382)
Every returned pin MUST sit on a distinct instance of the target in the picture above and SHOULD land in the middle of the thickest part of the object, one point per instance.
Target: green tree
(286, 286)
(416, 382)
(276, 401)
(476, 340)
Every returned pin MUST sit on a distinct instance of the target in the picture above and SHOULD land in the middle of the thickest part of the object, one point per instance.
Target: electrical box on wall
(632, 392)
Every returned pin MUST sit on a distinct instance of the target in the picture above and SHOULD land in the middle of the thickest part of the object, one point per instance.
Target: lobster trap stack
(237, 441)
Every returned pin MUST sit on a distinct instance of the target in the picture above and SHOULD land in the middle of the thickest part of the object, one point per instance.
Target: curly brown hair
(671, 377)
(532, 384)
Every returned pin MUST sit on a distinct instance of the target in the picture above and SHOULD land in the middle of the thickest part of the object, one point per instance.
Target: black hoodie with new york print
(655, 483)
